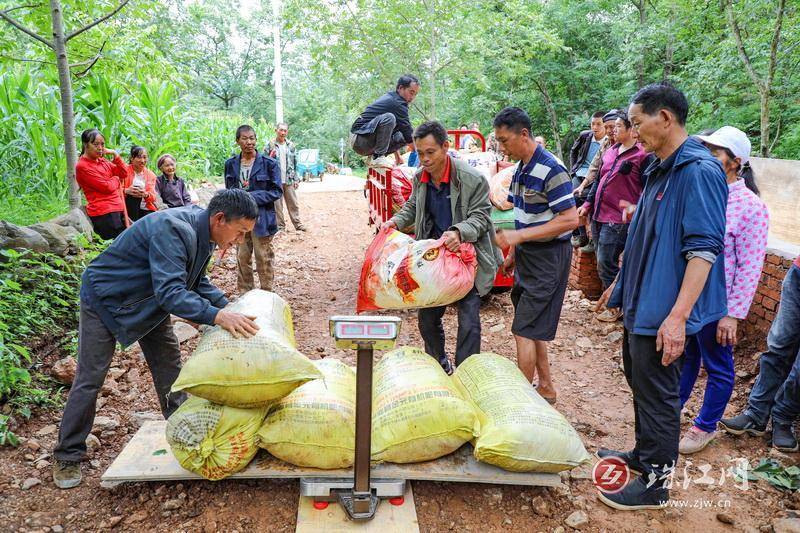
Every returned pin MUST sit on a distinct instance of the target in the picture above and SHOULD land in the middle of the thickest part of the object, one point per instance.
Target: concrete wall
(779, 182)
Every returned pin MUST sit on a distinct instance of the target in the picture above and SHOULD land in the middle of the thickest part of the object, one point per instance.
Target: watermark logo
(611, 474)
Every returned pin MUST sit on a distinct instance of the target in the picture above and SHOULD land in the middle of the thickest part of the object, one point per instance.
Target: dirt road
(317, 273)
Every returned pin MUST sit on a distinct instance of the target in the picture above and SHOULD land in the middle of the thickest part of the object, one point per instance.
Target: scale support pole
(277, 75)
(362, 491)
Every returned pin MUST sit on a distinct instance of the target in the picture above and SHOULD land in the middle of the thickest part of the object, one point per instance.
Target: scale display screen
(380, 332)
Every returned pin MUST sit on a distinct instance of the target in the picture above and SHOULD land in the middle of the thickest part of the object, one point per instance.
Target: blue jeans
(609, 242)
(777, 389)
(718, 362)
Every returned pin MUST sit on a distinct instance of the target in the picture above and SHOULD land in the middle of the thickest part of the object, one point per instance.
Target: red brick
(770, 315)
(759, 311)
(773, 259)
(763, 325)
(757, 299)
(773, 293)
(769, 304)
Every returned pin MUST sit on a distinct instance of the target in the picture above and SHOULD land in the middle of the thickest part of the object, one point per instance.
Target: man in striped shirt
(540, 251)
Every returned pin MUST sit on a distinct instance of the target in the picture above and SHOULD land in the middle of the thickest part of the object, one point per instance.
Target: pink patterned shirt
(745, 246)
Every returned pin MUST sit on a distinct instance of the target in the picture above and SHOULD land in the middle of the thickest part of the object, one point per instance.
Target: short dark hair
(598, 114)
(431, 127)
(234, 204)
(136, 151)
(513, 118)
(663, 95)
(406, 80)
(244, 128)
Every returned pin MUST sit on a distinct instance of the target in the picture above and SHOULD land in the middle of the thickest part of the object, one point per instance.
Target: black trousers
(110, 225)
(656, 402)
(134, 207)
(382, 141)
(468, 338)
(96, 347)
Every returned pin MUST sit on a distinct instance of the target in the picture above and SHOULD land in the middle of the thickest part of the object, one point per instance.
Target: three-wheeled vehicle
(310, 165)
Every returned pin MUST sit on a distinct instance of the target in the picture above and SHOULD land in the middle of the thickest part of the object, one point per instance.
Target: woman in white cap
(745, 244)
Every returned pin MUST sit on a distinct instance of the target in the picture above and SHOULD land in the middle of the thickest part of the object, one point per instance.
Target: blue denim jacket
(153, 269)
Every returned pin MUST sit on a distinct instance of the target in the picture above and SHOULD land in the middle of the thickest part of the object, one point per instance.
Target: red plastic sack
(402, 183)
(401, 273)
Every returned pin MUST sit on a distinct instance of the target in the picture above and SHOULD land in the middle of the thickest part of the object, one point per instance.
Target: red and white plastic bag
(401, 273)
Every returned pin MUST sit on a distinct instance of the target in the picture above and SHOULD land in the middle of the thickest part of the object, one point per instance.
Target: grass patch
(30, 209)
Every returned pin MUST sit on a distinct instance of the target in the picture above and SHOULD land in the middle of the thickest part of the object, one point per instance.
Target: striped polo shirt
(540, 190)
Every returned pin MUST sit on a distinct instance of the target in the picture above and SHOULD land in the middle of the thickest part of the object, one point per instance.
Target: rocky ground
(317, 273)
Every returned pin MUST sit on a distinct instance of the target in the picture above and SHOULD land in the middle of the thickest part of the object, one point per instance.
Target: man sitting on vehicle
(384, 127)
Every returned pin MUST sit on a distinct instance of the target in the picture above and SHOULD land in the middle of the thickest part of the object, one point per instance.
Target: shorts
(540, 281)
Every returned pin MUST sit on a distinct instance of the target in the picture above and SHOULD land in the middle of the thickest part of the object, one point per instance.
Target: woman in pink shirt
(745, 245)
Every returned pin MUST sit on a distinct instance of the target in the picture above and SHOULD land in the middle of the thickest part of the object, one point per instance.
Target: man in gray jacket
(450, 199)
(153, 269)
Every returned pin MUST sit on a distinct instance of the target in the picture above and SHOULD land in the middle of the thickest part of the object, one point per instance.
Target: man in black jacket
(384, 127)
(580, 157)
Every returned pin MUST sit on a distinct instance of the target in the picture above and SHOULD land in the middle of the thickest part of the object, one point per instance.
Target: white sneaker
(381, 162)
(695, 440)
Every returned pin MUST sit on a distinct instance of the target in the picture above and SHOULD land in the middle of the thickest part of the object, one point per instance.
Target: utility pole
(277, 74)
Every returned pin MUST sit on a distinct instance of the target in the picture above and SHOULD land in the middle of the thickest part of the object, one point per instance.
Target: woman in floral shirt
(745, 245)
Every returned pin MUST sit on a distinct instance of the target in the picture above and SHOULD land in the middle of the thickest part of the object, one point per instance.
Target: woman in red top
(101, 182)
(139, 186)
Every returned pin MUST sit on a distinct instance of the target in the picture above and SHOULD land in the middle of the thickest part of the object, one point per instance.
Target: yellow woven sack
(520, 431)
(315, 425)
(417, 413)
(213, 440)
(248, 372)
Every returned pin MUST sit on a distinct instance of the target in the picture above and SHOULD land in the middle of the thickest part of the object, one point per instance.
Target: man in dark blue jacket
(671, 285)
(153, 269)
(259, 175)
(384, 127)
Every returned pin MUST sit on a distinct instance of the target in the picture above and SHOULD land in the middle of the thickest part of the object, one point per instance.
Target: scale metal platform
(147, 456)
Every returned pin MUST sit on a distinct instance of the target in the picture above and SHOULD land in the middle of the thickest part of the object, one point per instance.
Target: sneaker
(739, 425)
(381, 162)
(634, 464)
(610, 315)
(579, 241)
(637, 496)
(695, 440)
(589, 248)
(66, 474)
(447, 366)
(783, 438)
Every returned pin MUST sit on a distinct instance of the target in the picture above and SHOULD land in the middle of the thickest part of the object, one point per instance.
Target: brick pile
(583, 274)
(768, 295)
